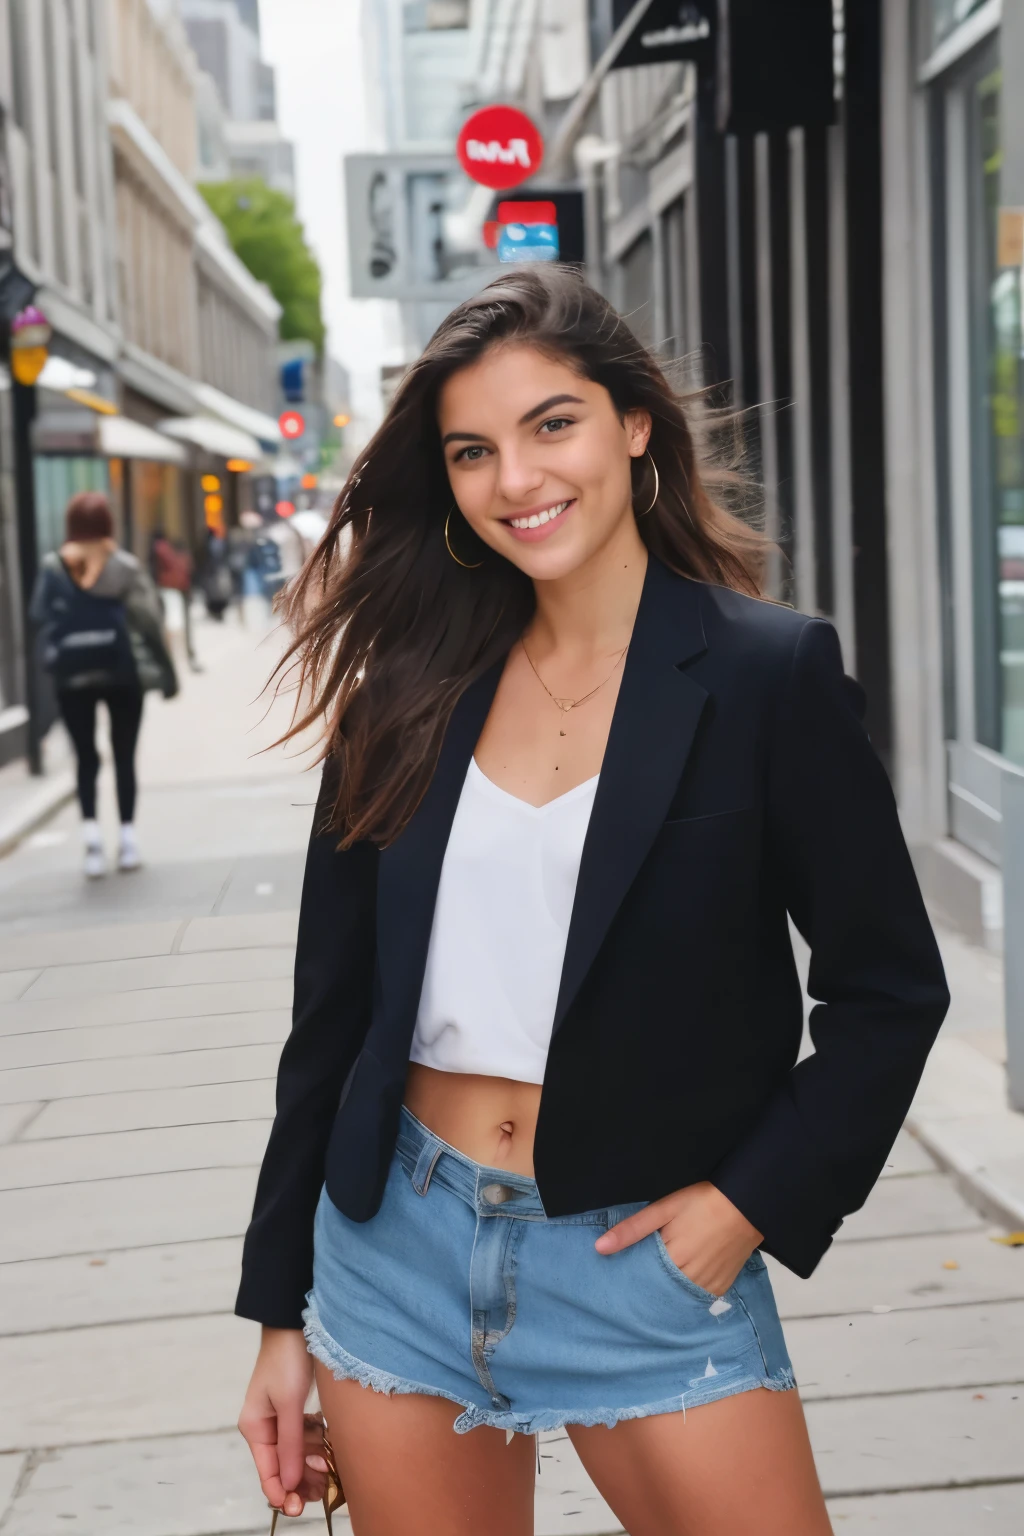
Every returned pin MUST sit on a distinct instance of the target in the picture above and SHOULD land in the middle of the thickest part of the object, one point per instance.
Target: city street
(140, 1022)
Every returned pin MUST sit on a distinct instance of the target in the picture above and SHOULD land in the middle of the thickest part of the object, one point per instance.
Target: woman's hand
(706, 1236)
(284, 1447)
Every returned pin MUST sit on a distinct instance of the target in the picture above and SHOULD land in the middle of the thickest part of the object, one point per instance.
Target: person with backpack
(103, 642)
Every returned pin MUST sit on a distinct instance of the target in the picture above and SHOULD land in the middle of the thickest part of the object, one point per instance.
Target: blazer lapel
(653, 727)
(410, 868)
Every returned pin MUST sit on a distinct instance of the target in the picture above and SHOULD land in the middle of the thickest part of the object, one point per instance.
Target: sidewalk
(140, 1023)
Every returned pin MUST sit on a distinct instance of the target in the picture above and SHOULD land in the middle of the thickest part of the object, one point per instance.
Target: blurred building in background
(241, 136)
(162, 361)
(429, 64)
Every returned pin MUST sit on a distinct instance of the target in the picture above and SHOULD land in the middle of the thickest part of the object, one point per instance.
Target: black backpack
(87, 637)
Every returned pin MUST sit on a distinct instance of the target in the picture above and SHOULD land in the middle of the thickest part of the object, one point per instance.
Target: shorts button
(496, 1194)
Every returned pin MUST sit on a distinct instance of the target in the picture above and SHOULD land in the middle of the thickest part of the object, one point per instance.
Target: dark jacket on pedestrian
(123, 580)
(738, 788)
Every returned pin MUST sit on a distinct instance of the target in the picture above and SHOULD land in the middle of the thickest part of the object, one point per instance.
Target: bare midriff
(490, 1119)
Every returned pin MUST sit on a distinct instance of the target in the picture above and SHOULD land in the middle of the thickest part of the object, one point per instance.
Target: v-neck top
(500, 927)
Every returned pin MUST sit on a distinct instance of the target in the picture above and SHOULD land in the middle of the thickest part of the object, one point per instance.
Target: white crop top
(501, 922)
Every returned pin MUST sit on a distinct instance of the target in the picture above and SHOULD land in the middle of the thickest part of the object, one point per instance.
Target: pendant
(565, 705)
(561, 733)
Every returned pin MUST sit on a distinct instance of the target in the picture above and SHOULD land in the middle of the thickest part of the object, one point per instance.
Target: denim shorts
(460, 1287)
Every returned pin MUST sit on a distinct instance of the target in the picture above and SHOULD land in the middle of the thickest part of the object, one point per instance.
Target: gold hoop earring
(657, 484)
(448, 546)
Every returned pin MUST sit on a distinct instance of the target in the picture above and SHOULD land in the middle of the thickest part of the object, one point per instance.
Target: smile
(533, 522)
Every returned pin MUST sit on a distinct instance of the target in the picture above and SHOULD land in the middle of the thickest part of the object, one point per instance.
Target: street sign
(292, 425)
(668, 32)
(499, 147)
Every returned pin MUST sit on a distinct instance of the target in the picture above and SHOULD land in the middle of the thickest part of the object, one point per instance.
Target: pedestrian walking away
(172, 570)
(103, 642)
(540, 1114)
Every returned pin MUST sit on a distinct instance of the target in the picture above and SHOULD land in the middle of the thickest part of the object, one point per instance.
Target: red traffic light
(292, 425)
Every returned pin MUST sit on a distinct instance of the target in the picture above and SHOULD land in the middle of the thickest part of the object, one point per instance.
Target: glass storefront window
(946, 16)
(998, 447)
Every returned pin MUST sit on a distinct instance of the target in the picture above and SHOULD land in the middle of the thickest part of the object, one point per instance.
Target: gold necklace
(566, 704)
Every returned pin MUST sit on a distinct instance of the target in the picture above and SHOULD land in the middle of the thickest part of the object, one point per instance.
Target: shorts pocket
(680, 1275)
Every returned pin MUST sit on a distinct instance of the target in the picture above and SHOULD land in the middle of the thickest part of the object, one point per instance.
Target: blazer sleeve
(334, 965)
(833, 834)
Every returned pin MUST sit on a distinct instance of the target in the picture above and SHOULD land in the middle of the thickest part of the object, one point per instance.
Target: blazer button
(496, 1194)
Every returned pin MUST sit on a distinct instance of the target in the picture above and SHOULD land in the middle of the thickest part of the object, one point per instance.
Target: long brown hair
(389, 630)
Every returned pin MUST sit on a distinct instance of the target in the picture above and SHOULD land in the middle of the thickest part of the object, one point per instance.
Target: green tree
(268, 238)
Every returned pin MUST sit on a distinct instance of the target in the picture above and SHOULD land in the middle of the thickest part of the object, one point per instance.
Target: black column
(862, 122)
(712, 237)
(23, 410)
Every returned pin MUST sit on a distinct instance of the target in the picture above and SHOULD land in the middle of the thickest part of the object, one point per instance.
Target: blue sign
(528, 242)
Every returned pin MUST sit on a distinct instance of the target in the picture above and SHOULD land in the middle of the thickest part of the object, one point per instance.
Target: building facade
(240, 136)
(953, 87)
(162, 357)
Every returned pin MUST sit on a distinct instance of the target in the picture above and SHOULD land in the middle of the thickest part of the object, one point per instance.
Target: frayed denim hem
(346, 1367)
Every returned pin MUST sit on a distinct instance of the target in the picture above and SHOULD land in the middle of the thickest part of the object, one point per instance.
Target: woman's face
(538, 459)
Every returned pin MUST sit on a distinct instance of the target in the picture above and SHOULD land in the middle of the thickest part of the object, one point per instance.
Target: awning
(215, 437)
(118, 437)
(245, 417)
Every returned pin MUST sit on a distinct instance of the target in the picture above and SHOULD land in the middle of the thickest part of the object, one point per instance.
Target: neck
(593, 608)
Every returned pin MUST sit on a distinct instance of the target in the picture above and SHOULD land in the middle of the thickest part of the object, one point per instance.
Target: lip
(536, 535)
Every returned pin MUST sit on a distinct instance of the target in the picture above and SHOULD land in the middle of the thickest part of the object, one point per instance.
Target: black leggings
(78, 711)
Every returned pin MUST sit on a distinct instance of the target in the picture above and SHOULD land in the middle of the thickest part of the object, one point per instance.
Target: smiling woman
(434, 603)
(541, 1107)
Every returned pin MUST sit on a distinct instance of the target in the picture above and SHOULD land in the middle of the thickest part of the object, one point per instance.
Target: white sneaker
(95, 861)
(128, 857)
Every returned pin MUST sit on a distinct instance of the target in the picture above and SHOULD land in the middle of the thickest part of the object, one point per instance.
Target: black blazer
(738, 785)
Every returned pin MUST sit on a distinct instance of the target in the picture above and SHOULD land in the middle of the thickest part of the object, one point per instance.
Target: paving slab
(902, 1272)
(79, 945)
(100, 1042)
(13, 984)
(918, 1440)
(246, 931)
(197, 1484)
(128, 1074)
(908, 1351)
(172, 1376)
(132, 1212)
(79, 1290)
(105, 1112)
(957, 1081)
(907, 1157)
(168, 1149)
(107, 976)
(13, 1117)
(991, 1510)
(149, 1003)
(901, 1207)
(11, 1467)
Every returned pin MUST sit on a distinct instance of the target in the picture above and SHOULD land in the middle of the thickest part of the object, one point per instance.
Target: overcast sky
(314, 46)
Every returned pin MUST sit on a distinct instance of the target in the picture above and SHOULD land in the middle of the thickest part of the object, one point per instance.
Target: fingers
(291, 1444)
(278, 1446)
(265, 1457)
(634, 1228)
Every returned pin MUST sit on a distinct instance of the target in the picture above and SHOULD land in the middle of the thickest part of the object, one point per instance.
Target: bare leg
(738, 1467)
(404, 1469)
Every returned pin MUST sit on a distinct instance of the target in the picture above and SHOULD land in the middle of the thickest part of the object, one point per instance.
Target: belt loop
(425, 1165)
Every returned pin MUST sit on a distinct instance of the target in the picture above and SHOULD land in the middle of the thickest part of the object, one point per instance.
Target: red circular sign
(499, 147)
(292, 424)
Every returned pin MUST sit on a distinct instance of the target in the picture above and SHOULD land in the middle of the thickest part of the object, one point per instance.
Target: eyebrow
(538, 410)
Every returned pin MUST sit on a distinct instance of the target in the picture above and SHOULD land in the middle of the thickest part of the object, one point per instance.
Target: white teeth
(538, 519)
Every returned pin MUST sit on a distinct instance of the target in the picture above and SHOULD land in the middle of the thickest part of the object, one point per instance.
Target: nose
(518, 476)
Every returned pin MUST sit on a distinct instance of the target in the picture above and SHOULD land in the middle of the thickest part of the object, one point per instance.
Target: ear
(638, 432)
